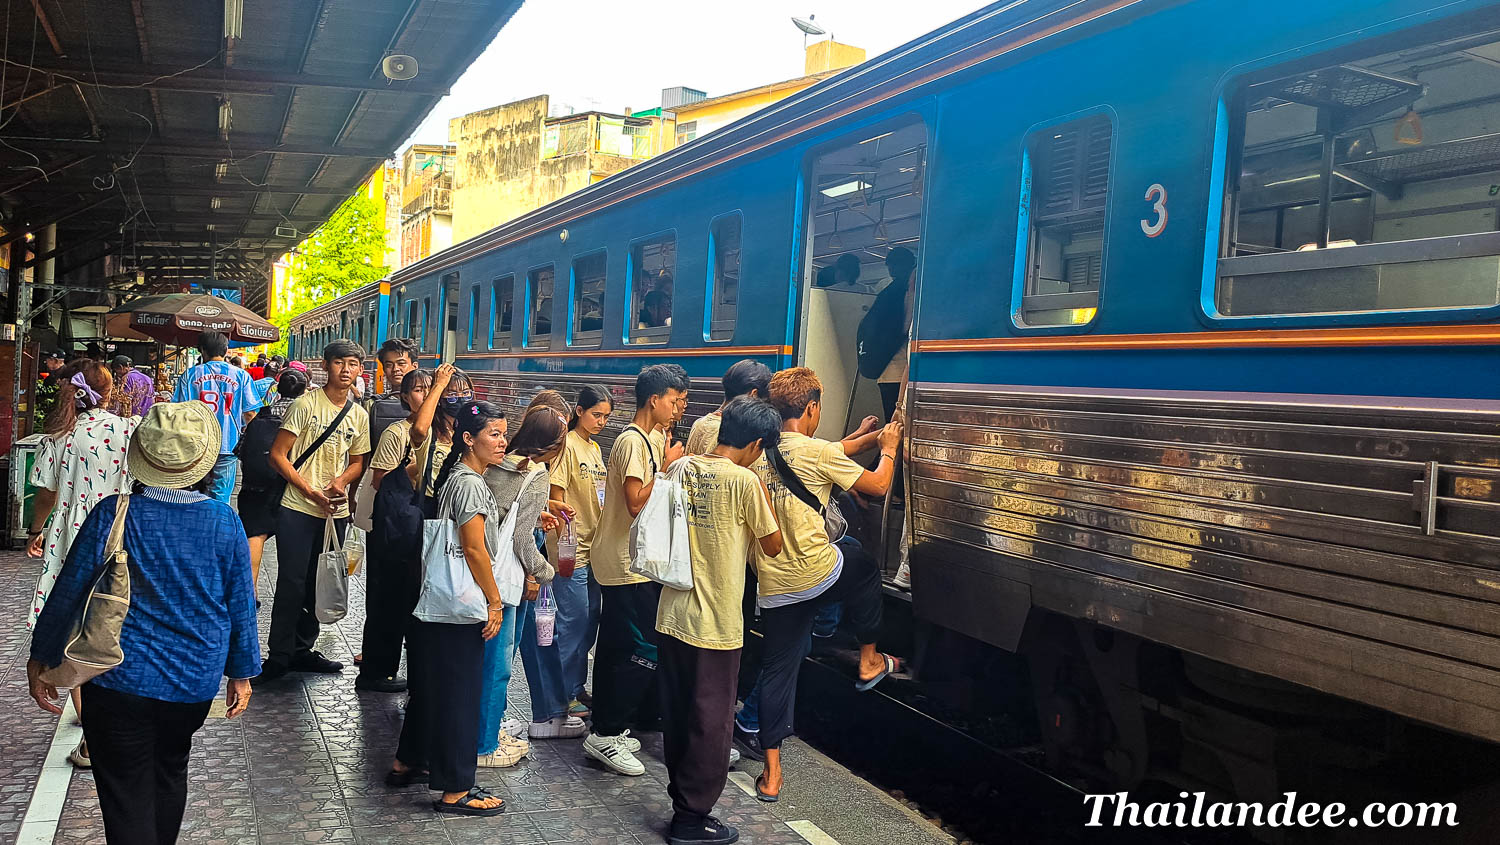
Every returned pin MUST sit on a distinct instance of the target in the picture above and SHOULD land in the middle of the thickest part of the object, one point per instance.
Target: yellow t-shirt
(392, 448)
(704, 435)
(807, 557)
(609, 550)
(727, 512)
(581, 473)
(309, 415)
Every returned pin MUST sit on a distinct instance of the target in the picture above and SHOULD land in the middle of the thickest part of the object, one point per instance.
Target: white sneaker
(631, 743)
(903, 577)
(611, 751)
(502, 757)
(520, 745)
(514, 727)
(561, 727)
(734, 756)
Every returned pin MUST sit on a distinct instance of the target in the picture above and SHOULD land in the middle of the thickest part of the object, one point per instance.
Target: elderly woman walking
(190, 624)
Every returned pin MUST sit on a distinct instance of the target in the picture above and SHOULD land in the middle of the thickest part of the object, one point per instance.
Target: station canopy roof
(168, 132)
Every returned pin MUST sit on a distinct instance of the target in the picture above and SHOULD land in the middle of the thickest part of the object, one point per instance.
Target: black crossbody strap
(649, 452)
(323, 438)
(794, 484)
(417, 494)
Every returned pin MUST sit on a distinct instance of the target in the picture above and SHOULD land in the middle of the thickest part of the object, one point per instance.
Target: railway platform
(305, 765)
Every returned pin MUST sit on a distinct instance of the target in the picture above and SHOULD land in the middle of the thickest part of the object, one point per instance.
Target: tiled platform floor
(305, 765)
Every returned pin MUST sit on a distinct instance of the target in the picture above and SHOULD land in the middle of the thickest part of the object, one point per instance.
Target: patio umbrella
(177, 319)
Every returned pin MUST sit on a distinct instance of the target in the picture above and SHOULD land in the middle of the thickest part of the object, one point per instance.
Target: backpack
(383, 411)
(882, 331)
(254, 451)
(400, 508)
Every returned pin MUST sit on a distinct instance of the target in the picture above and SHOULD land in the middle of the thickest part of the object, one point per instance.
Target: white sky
(608, 54)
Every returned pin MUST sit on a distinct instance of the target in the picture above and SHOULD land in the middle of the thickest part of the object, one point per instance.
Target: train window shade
(413, 327)
(502, 298)
(649, 280)
(1362, 191)
(539, 308)
(1063, 241)
(723, 277)
(586, 325)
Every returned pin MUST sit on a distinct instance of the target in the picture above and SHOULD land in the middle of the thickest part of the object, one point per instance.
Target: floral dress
(82, 467)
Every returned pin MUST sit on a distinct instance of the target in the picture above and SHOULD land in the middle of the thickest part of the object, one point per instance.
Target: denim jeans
(499, 655)
(544, 672)
(221, 478)
(577, 625)
(825, 625)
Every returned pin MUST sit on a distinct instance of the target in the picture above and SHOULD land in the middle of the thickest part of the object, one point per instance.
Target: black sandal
(407, 778)
(464, 806)
(765, 797)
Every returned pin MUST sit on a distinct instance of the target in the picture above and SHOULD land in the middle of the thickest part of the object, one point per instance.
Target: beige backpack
(94, 643)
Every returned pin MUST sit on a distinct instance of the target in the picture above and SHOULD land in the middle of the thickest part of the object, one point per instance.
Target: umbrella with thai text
(178, 318)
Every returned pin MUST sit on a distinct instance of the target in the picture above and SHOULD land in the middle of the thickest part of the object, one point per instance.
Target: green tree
(344, 254)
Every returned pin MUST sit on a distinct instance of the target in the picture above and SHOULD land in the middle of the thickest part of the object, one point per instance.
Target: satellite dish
(808, 26)
(399, 67)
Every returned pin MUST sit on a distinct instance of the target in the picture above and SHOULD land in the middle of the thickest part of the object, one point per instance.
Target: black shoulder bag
(277, 490)
(400, 508)
(834, 522)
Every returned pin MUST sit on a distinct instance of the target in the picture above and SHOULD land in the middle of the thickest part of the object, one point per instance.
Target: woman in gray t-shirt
(446, 662)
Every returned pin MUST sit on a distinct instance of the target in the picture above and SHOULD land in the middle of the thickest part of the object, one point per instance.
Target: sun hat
(175, 445)
(299, 366)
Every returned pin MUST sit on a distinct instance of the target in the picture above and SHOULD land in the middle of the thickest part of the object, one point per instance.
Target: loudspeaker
(399, 67)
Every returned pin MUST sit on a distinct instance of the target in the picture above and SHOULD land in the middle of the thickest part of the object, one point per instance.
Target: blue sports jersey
(228, 389)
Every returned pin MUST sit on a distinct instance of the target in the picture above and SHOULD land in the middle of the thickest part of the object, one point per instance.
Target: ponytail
(472, 418)
(588, 396)
(74, 398)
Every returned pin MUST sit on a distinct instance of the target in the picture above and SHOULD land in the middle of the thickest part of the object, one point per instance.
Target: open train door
(865, 199)
(449, 338)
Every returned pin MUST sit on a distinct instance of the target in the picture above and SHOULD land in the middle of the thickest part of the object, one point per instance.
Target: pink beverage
(567, 550)
(546, 616)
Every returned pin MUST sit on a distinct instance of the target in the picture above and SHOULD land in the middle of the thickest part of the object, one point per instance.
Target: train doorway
(865, 200)
(450, 339)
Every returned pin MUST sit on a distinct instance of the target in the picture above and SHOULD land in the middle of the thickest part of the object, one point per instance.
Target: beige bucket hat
(175, 445)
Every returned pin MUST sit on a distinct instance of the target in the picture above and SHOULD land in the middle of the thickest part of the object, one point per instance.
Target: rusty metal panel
(1280, 536)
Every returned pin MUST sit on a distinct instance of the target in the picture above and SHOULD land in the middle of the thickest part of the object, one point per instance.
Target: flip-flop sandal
(464, 806)
(765, 797)
(892, 665)
(406, 778)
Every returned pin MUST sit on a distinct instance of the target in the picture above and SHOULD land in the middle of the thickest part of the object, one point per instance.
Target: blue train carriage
(362, 315)
(1203, 400)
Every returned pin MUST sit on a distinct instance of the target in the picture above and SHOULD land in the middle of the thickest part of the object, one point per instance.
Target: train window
(426, 337)
(412, 328)
(723, 276)
(473, 316)
(587, 284)
(502, 294)
(1065, 196)
(539, 307)
(1351, 187)
(649, 289)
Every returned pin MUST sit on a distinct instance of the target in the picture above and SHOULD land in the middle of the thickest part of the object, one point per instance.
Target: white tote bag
(658, 538)
(331, 584)
(449, 593)
(510, 575)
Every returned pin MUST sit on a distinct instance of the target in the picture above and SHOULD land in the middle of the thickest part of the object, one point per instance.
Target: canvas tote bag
(94, 644)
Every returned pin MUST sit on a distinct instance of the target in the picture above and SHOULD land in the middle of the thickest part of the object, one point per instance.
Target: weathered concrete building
(513, 158)
(426, 201)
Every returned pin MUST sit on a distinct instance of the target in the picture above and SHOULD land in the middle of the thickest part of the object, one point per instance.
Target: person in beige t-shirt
(702, 628)
(315, 494)
(810, 571)
(745, 378)
(625, 659)
(578, 480)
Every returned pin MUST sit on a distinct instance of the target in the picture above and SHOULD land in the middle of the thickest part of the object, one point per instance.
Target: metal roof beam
(243, 147)
(222, 80)
(200, 189)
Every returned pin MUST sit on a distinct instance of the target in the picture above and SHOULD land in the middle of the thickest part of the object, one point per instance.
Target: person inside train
(625, 658)
(743, 378)
(845, 271)
(701, 630)
(812, 569)
(577, 480)
(329, 434)
(656, 306)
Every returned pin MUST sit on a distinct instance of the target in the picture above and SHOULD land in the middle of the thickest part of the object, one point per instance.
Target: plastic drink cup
(546, 616)
(567, 550)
